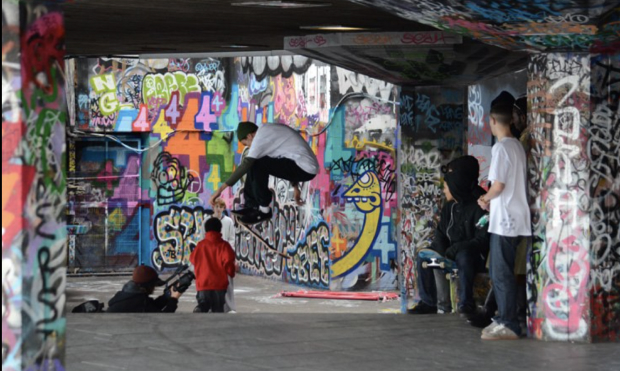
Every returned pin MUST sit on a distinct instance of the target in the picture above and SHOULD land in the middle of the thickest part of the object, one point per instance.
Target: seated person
(135, 295)
(214, 261)
(457, 238)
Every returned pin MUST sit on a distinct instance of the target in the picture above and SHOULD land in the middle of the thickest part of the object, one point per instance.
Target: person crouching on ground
(214, 261)
(135, 295)
(457, 238)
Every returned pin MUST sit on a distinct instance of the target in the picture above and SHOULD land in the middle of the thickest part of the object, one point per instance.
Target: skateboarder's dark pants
(469, 262)
(211, 301)
(256, 190)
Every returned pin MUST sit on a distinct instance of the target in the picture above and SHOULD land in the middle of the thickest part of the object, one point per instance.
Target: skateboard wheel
(442, 265)
(424, 265)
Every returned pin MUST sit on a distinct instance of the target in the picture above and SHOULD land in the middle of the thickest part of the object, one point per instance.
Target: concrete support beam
(574, 189)
(33, 186)
(431, 134)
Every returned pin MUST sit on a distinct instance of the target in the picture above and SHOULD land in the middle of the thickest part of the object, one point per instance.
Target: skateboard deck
(249, 229)
(431, 259)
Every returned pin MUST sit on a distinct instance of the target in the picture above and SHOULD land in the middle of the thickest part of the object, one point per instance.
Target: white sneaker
(500, 332)
(490, 327)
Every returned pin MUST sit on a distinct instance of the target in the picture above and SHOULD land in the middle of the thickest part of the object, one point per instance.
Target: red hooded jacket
(214, 261)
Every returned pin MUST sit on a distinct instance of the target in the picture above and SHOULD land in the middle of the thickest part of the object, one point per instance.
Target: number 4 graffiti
(211, 107)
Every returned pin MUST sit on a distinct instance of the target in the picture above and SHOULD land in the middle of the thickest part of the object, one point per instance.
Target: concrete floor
(252, 295)
(302, 336)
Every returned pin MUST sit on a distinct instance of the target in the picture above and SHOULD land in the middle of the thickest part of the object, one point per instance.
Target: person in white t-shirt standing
(509, 221)
(276, 150)
(228, 234)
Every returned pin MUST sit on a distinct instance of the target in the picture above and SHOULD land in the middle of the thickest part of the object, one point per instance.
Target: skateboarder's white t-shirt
(510, 213)
(281, 141)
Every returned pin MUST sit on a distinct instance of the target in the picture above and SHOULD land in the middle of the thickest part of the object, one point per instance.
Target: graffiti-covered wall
(604, 189)
(187, 111)
(33, 187)
(432, 126)
(559, 176)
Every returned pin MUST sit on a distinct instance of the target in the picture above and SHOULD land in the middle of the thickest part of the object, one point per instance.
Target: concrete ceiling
(195, 26)
(533, 25)
(402, 46)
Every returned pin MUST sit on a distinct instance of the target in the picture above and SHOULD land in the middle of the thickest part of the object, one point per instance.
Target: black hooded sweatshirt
(133, 299)
(457, 225)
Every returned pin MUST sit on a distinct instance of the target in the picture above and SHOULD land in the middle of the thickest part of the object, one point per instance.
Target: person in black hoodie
(457, 238)
(135, 295)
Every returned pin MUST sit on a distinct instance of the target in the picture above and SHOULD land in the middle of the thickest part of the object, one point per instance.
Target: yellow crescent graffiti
(366, 194)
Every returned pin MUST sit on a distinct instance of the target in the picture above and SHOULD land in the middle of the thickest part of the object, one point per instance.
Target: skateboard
(251, 231)
(431, 259)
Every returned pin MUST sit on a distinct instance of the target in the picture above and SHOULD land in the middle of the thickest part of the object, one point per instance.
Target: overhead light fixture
(336, 28)
(281, 4)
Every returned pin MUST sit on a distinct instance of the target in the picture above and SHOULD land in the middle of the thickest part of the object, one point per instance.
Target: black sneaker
(255, 216)
(480, 320)
(422, 308)
(467, 313)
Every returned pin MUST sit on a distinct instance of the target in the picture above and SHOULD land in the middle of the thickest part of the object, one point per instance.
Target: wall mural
(518, 25)
(105, 205)
(431, 122)
(33, 187)
(188, 110)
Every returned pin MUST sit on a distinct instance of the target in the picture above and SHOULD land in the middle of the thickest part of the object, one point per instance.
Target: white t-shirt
(281, 141)
(510, 212)
(228, 230)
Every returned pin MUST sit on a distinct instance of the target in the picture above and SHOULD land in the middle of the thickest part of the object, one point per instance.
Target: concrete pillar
(574, 189)
(603, 151)
(431, 134)
(33, 186)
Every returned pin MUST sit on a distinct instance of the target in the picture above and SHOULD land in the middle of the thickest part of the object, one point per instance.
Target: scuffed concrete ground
(283, 334)
(310, 342)
(252, 295)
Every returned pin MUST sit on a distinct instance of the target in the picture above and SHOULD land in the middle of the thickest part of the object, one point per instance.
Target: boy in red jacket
(213, 261)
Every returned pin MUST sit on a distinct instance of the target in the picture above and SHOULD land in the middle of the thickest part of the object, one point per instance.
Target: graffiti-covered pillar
(574, 265)
(431, 134)
(604, 190)
(33, 186)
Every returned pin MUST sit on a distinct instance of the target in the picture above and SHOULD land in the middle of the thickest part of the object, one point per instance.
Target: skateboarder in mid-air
(274, 149)
(456, 238)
